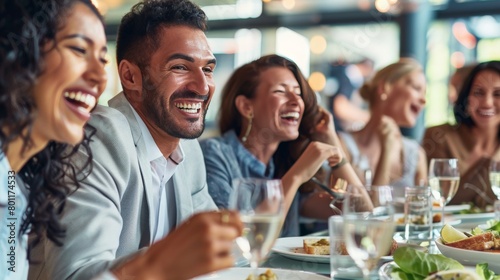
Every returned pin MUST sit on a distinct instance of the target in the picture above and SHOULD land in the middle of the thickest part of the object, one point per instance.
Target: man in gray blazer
(148, 171)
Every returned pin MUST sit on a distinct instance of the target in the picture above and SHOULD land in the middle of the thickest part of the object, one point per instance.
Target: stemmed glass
(495, 177)
(495, 185)
(444, 179)
(368, 225)
(260, 204)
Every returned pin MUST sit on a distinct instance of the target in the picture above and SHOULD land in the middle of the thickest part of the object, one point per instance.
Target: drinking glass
(495, 185)
(260, 204)
(444, 179)
(368, 225)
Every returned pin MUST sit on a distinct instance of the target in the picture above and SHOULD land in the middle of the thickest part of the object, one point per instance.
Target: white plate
(470, 221)
(449, 220)
(241, 273)
(292, 248)
(470, 257)
(451, 208)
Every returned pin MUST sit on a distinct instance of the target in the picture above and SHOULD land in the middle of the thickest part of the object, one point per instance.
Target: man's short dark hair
(138, 33)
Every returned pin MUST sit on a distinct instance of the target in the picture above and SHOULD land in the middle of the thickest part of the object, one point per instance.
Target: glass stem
(254, 264)
(442, 212)
(366, 274)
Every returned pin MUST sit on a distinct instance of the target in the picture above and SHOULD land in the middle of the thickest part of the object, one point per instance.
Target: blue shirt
(13, 246)
(227, 159)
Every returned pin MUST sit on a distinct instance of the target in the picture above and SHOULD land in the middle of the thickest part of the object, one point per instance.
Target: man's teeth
(88, 99)
(293, 115)
(189, 107)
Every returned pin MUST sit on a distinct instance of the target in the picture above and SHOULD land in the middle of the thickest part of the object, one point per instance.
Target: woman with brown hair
(272, 127)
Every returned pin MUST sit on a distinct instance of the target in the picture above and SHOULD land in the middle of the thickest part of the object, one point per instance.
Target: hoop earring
(249, 127)
(383, 96)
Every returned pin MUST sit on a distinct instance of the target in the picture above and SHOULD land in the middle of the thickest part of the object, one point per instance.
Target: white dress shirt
(162, 170)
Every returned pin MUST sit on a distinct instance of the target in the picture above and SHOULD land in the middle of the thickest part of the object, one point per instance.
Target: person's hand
(324, 130)
(388, 132)
(312, 158)
(200, 245)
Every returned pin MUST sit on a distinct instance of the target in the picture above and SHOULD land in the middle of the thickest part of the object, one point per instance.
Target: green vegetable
(477, 231)
(493, 226)
(483, 271)
(398, 273)
(418, 265)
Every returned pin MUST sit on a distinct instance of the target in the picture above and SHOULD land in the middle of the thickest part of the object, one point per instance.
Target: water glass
(418, 214)
(341, 265)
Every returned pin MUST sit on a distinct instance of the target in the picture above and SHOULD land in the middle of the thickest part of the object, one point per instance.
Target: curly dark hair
(138, 31)
(244, 81)
(461, 105)
(25, 27)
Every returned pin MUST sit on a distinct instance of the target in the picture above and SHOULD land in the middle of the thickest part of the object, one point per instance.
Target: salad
(416, 265)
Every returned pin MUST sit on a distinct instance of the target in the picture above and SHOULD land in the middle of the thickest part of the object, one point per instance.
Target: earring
(383, 96)
(249, 127)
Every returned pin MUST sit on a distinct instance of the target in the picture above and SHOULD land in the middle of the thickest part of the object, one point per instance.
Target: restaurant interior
(443, 35)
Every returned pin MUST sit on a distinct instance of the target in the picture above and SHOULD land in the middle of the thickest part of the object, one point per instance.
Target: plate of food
(400, 221)
(314, 249)
(245, 273)
(386, 273)
(481, 246)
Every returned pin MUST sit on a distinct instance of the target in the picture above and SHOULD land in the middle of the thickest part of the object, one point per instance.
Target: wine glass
(495, 177)
(260, 204)
(368, 225)
(444, 179)
(495, 185)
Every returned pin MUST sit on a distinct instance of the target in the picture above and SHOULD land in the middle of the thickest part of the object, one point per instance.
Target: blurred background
(443, 35)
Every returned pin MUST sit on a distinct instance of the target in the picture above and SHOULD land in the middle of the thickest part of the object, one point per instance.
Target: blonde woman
(396, 96)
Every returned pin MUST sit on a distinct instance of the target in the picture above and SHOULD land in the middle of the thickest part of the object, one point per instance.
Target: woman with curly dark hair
(52, 73)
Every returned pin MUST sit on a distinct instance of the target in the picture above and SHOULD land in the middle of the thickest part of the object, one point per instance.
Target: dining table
(464, 222)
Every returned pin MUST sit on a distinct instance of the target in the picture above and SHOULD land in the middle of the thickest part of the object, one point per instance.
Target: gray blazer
(108, 219)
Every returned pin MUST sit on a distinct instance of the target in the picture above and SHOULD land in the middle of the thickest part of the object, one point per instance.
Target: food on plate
(314, 246)
(268, 275)
(450, 234)
(477, 240)
(436, 218)
(414, 264)
(319, 247)
(456, 274)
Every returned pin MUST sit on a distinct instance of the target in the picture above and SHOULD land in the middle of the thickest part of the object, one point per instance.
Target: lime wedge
(450, 234)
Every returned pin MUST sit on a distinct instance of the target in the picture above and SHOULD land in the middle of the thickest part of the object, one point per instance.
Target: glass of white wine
(368, 225)
(495, 177)
(495, 185)
(260, 204)
(444, 178)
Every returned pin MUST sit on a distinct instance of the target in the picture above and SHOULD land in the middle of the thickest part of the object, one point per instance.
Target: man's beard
(156, 110)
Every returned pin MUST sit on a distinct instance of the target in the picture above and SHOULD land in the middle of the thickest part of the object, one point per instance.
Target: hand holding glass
(260, 204)
(368, 225)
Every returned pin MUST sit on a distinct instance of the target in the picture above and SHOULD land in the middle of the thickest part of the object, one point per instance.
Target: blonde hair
(388, 75)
